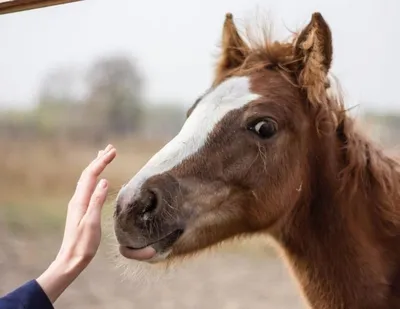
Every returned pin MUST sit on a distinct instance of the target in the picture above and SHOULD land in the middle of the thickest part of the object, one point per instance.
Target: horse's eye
(265, 128)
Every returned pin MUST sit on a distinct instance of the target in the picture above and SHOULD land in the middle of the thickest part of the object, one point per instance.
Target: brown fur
(328, 195)
(363, 214)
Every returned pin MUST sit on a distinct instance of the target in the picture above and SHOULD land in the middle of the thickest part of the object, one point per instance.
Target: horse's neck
(339, 252)
(337, 266)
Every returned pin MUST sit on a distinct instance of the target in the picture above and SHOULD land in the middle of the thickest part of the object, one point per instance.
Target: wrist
(60, 274)
(70, 265)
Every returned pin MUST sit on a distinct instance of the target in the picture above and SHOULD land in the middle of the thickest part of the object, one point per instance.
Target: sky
(175, 43)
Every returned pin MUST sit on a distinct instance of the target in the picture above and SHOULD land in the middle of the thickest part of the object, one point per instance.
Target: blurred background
(76, 77)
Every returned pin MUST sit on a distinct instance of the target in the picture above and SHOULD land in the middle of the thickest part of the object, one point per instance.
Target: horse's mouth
(152, 251)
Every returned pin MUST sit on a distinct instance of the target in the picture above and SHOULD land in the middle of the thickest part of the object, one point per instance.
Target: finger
(109, 146)
(79, 202)
(101, 152)
(88, 179)
(105, 150)
(93, 214)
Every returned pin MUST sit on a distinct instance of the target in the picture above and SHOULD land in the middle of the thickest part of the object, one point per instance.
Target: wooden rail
(12, 6)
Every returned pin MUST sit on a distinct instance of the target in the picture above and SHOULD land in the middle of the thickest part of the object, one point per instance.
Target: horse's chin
(147, 254)
(144, 271)
(154, 252)
(141, 272)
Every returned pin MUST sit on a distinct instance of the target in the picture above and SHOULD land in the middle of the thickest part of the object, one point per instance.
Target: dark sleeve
(28, 296)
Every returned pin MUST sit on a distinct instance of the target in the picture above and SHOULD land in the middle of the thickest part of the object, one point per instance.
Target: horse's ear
(313, 51)
(234, 49)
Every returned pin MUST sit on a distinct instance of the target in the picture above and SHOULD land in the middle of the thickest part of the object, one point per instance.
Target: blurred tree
(62, 86)
(114, 103)
(60, 92)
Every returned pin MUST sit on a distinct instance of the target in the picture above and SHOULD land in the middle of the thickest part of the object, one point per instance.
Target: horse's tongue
(138, 254)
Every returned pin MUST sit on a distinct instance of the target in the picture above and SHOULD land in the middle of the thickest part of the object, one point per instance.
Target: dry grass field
(37, 179)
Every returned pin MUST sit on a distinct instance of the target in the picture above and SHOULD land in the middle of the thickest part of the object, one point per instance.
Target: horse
(271, 149)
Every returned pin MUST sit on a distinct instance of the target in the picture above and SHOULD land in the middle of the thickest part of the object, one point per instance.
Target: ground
(33, 198)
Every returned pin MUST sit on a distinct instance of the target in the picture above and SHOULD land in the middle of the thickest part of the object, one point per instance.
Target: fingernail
(103, 183)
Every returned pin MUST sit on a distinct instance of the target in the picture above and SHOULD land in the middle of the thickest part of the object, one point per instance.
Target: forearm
(60, 274)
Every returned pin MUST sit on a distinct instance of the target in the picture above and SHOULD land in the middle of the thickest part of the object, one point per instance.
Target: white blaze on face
(232, 94)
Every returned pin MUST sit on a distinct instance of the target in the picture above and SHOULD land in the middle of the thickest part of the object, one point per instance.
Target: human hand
(82, 229)
(83, 225)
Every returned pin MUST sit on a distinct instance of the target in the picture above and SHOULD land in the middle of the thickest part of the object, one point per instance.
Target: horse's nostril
(150, 204)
